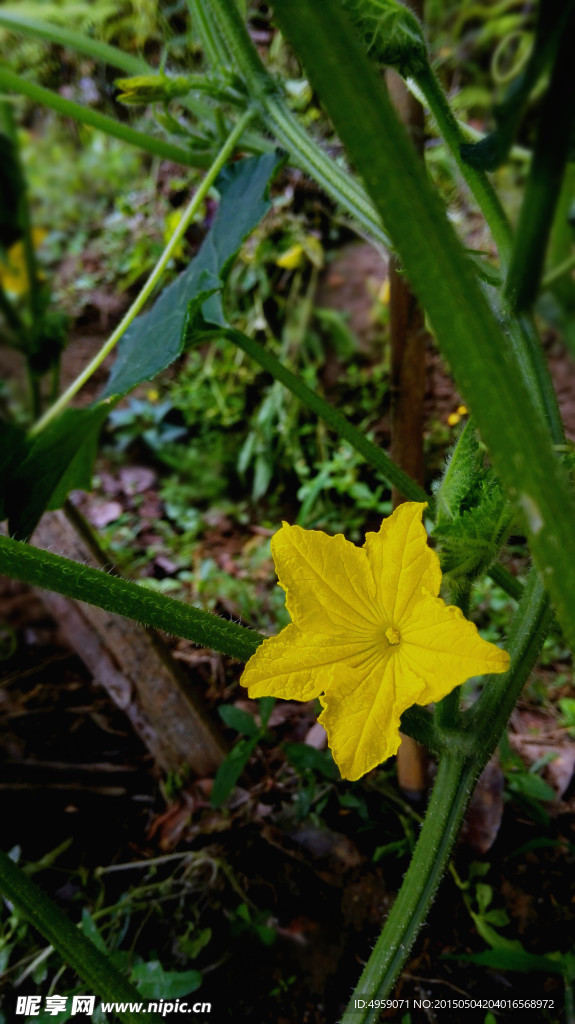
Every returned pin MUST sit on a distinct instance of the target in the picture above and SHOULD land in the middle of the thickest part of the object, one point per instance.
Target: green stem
(527, 342)
(556, 272)
(478, 182)
(52, 572)
(373, 455)
(191, 210)
(503, 578)
(451, 793)
(212, 42)
(522, 333)
(89, 963)
(77, 41)
(278, 118)
(45, 97)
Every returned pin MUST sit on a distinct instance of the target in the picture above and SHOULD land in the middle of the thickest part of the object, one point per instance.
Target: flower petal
(327, 581)
(362, 712)
(442, 647)
(402, 561)
(297, 666)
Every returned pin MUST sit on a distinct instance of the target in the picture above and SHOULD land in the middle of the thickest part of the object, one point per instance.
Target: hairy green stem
(558, 271)
(85, 115)
(78, 41)
(522, 333)
(477, 181)
(94, 969)
(211, 39)
(52, 572)
(503, 578)
(138, 303)
(451, 793)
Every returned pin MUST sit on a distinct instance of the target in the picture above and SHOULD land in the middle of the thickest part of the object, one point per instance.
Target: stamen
(393, 635)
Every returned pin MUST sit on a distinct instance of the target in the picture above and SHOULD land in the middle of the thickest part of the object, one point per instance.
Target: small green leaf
(230, 770)
(491, 936)
(267, 704)
(498, 918)
(511, 960)
(484, 895)
(531, 786)
(92, 932)
(305, 758)
(155, 983)
(239, 720)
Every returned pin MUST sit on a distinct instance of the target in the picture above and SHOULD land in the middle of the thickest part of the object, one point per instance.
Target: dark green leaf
(305, 758)
(239, 720)
(11, 189)
(267, 705)
(156, 338)
(230, 770)
(58, 460)
(92, 932)
(511, 960)
(531, 786)
(155, 983)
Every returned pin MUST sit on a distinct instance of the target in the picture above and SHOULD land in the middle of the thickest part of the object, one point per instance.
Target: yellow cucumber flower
(369, 635)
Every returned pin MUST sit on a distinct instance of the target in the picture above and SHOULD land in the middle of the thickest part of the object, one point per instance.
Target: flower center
(393, 635)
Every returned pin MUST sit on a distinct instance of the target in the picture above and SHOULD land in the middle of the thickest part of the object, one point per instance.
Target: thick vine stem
(52, 572)
(451, 794)
(89, 963)
(477, 181)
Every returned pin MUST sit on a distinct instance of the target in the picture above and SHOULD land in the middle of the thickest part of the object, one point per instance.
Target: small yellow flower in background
(309, 248)
(292, 258)
(369, 635)
(384, 292)
(454, 417)
(14, 272)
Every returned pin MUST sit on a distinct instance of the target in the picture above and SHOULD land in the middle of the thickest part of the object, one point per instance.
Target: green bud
(392, 32)
(144, 89)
